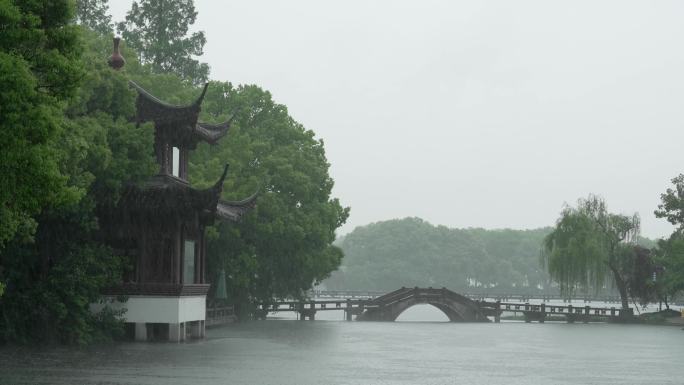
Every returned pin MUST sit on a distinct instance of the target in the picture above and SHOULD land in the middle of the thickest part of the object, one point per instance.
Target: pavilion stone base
(163, 317)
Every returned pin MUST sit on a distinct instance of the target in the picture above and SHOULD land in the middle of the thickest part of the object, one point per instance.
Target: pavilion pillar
(142, 258)
(183, 163)
(176, 332)
(202, 258)
(141, 331)
(177, 251)
(165, 159)
(196, 329)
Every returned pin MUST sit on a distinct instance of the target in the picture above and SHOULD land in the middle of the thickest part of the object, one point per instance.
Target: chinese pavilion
(160, 225)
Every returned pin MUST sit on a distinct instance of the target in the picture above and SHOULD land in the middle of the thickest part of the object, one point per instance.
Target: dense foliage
(39, 70)
(411, 252)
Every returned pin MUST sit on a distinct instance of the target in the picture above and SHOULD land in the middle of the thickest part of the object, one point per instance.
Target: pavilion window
(175, 162)
(189, 262)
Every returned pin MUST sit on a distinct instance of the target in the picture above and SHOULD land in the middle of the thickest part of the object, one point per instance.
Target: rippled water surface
(337, 352)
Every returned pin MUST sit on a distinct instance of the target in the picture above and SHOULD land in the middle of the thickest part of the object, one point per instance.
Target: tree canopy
(159, 32)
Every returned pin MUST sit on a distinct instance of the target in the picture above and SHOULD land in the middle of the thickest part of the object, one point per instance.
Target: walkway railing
(220, 315)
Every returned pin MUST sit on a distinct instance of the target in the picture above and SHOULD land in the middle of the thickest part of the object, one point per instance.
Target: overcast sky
(470, 114)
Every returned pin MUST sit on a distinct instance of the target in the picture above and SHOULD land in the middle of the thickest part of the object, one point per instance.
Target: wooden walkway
(570, 313)
(308, 309)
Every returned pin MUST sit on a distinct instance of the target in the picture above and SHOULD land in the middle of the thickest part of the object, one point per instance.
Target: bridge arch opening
(425, 312)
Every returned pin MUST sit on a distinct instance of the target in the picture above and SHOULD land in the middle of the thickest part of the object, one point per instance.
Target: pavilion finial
(116, 61)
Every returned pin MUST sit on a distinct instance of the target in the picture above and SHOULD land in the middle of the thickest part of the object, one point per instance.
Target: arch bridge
(456, 307)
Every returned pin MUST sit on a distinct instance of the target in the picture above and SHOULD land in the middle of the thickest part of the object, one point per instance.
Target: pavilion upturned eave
(210, 132)
(234, 210)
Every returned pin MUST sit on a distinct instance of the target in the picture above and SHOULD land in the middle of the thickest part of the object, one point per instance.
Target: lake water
(332, 351)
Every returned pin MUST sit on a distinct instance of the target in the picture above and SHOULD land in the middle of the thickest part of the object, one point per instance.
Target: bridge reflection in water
(457, 307)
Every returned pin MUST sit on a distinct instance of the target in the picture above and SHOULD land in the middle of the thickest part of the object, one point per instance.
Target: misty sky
(470, 114)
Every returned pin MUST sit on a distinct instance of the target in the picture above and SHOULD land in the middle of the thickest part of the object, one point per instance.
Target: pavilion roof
(178, 124)
(163, 193)
(151, 109)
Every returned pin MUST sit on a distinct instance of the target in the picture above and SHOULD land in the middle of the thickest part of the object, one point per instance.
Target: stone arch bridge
(457, 307)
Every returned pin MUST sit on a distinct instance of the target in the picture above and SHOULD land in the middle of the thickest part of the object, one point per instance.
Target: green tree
(589, 245)
(284, 245)
(39, 71)
(640, 283)
(158, 31)
(94, 14)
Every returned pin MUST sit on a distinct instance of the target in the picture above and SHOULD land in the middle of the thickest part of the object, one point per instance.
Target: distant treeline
(412, 252)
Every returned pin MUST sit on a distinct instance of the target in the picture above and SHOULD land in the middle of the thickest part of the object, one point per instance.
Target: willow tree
(590, 247)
